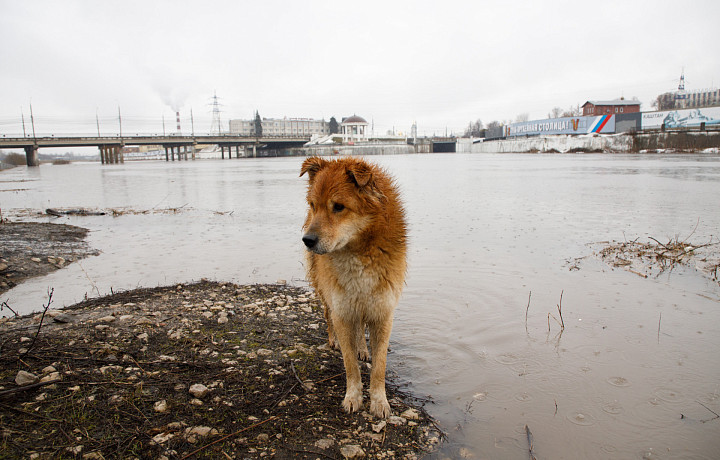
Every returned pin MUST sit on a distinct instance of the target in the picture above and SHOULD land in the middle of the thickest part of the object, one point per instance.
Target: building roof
(354, 119)
(614, 102)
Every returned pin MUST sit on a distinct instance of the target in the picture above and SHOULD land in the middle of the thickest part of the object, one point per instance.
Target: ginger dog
(355, 234)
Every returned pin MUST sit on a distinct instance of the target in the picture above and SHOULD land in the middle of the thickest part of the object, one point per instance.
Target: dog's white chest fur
(362, 295)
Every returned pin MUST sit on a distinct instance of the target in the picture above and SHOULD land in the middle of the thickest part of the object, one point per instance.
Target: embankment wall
(692, 141)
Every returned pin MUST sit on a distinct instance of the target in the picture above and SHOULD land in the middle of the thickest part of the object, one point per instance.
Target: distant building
(682, 99)
(689, 99)
(354, 129)
(591, 108)
(300, 127)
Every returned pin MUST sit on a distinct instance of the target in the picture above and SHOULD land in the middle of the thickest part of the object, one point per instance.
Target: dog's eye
(337, 207)
(312, 206)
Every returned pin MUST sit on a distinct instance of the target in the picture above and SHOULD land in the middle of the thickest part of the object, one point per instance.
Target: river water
(634, 374)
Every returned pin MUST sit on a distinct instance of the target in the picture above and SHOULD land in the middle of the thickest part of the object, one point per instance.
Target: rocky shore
(204, 370)
(32, 249)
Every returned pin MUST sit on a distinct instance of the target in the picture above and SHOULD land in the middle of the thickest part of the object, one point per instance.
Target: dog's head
(343, 200)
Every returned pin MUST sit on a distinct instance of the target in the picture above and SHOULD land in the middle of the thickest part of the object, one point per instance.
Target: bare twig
(548, 324)
(693, 232)
(659, 243)
(45, 309)
(526, 310)
(5, 305)
(706, 407)
(529, 435)
(659, 320)
(559, 307)
(305, 387)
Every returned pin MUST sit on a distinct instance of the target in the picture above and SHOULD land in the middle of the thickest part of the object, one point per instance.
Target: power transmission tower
(216, 127)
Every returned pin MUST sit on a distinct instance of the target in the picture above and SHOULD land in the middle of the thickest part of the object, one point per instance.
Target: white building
(354, 129)
(300, 127)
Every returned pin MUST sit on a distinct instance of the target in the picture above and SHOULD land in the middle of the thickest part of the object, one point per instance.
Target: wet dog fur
(355, 233)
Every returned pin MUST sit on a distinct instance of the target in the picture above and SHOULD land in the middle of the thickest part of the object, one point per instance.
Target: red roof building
(610, 107)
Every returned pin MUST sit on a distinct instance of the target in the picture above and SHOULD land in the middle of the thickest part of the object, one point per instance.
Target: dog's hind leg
(379, 340)
(346, 333)
(361, 347)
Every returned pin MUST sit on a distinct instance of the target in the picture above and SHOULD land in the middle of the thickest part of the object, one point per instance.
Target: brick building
(610, 107)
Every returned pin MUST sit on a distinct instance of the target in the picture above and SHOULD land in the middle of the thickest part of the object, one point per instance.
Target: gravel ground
(205, 370)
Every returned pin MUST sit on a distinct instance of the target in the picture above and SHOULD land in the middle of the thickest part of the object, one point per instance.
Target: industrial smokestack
(177, 114)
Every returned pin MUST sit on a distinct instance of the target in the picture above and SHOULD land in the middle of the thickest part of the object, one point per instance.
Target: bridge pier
(111, 154)
(31, 156)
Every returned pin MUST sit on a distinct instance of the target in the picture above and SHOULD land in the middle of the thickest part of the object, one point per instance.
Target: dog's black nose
(310, 240)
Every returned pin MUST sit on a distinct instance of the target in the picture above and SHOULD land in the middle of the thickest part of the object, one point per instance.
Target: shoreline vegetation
(199, 370)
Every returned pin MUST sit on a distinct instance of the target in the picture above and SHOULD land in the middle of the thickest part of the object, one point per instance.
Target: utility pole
(120, 121)
(192, 124)
(32, 121)
(163, 118)
(97, 122)
(22, 115)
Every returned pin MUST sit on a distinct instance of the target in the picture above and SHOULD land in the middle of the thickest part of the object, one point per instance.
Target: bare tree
(522, 117)
(572, 112)
(474, 129)
(665, 101)
(555, 112)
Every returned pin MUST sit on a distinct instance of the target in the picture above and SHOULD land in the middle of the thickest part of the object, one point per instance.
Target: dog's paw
(380, 407)
(364, 355)
(352, 401)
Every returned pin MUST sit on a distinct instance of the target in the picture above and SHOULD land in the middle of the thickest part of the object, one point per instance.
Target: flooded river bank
(493, 238)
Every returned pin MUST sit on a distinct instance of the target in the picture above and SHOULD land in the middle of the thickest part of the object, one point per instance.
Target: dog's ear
(311, 166)
(360, 174)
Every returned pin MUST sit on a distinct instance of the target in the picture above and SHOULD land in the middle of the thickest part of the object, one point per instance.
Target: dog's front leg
(379, 340)
(346, 333)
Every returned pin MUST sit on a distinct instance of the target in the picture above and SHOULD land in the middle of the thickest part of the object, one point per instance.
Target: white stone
(378, 427)
(199, 390)
(162, 438)
(51, 376)
(324, 443)
(411, 414)
(352, 451)
(160, 406)
(25, 378)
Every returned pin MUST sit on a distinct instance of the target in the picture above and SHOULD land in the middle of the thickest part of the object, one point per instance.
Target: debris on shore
(652, 258)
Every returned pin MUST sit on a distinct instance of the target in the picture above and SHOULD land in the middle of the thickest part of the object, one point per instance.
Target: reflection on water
(485, 231)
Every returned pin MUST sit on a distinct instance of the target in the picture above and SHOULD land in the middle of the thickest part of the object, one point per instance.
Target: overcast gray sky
(439, 63)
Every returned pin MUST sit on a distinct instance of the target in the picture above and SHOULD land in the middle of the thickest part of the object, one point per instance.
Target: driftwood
(73, 212)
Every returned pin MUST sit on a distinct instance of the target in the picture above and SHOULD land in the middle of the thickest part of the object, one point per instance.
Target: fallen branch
(5, 305)
(27, 387)
(529, 435)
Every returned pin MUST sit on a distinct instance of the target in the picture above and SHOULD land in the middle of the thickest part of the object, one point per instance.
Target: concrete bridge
(111, 146)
